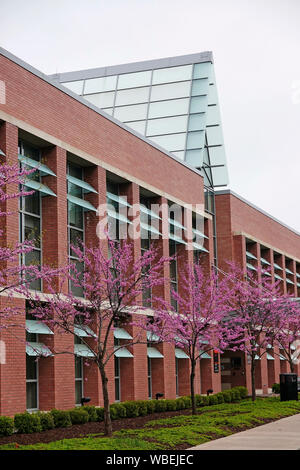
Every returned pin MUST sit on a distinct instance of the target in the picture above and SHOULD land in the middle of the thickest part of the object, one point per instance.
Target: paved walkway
(283, 434)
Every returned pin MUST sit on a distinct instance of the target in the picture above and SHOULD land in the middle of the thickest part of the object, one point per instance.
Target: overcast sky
(256, 46)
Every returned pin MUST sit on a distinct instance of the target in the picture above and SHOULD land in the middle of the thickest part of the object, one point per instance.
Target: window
(131, 113)
(102, 100)
(31, 216)
(96, 85)
(169, 91)
(149, 378)
(78, 375)
(136, 79)
(172, 74)
(31, 382)
(168, 108)
(173, 273)
(167, 125)
(117, 212)
(176, 376)
(117, 374)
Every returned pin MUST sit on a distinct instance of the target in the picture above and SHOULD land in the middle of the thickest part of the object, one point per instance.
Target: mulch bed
(82, 430)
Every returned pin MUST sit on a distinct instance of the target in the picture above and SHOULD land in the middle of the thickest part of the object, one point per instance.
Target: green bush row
(42, 421)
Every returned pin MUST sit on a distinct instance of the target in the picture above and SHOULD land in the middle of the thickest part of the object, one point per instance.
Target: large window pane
(213, 115)
(75, 214)
(212, 95)
(78, 392)
(172, 74)
(131, 80)
(168, 108)
(169, 91)
(214, 135)
(31, 152)
(179, 155)
(217, 155)
(198, 104)
(33, 258)
(167, 125)
(74, 86)
(171, 142)
(75, 190)
(194, 157)
(32, 229)
(76, 288)
(95, 85)
(138, 126)
(102, 100)
(76, 236)
(197, 122)
(202, 70)
(32, 203)
(31, 396)
(131, 113)
(220, 176)
(195, 140)
(31, 368)
(200, 87)
(137, 95)
(78, 367)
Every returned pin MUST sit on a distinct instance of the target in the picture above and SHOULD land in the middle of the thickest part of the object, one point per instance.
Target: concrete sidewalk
(283, 434)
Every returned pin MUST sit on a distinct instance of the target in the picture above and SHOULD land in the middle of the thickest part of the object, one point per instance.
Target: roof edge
(241, 198)
(141, 66)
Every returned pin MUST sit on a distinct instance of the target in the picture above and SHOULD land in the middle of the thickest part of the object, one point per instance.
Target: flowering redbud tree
(288, 332)
(12, 272)
(112, 287)
(197, 326)
(257, 309)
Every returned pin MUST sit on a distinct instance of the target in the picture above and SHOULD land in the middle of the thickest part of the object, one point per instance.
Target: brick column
(56, 374)
(12, 339)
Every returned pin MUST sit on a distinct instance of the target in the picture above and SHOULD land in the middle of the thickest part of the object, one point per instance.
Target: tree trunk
(253, 378)
(192, 378)
(292, 366)
(107, 418)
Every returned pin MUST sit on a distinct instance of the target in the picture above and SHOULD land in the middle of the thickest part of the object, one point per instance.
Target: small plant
(27, 423)
(47, 421)
(219, 397)
(243, 391)
(117, 411)
(92, 413)
(235, 394)
(150, 406)
(143, 409)
(180, 404)
(6, 426)
(100, 413)
(199, 400)
(205, 400)
(132, 409)
(171, 405)
(213, 400)
(227, 396)
(61, 418)
(276, 388)
(160, 406)
(79, 416)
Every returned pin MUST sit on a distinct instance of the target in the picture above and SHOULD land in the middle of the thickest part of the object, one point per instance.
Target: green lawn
(211, 422)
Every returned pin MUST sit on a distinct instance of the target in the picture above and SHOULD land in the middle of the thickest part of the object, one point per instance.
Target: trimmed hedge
(27, 423)
(62, 418)
(43, 421)
(6, 426)
(276, 388)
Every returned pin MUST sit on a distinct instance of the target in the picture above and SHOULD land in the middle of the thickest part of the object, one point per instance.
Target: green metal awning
(289, 281)
(151, 337)
(43, 169)
(154, 353)
(87, 188)
(82, 350)
(83, 331)
(200, 234)
(176, 224)
(87, 206)
(250, 255)
(264, 261)
(249, 266)
(2, 153)
(119, 199)
(123, 352)
(282, 358)
(269, 357)
(116, 215)
(198, 247)
(120, 333)
(37, 349)
(277, 266)
(37, 186)
(298, 275)
(278, 277)
(177, 239)
(266, 273)
(147, 211)
(204, 355)
(37, 327)
(149, 228)
(288, 271)
(180, 354)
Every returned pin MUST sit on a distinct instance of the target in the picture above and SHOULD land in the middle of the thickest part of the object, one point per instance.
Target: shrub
(235, 394)
(132, 409)
(47, 421)
(61, 418)
(142, 406)
(180, 404)
(79, 416)
(243, 391)
(213, 400)
(150, 406)
(160, 405)
(27, 423)
(187, 402)
(199, 400)
(92, 413)
(117, 411)
(276, 388)
(227, 396)
(219, 397)
(205, 400)
(100, 413)
(171, 405)
(6, 426)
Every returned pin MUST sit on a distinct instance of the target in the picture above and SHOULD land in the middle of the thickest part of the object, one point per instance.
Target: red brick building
(86, 159)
